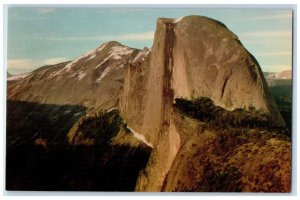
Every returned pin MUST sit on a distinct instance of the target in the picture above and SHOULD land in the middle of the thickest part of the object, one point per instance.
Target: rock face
(45, 105)
(217, 162)
(92, 80)
(191, 57)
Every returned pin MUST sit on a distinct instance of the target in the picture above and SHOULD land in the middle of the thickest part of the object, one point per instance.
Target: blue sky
(47, 35)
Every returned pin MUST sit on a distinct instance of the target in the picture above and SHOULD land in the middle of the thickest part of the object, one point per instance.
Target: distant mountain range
(271, 77)
(286, 74)
(193, 113)
(279, 78)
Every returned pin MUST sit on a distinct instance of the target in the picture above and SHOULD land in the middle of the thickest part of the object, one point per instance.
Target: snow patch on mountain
(118, 51)
(89, 55)
(104, 61)
(92, 56)
(141, 55)
(110, 53)
(140, 137)
(81, 75)
(104, 73)
(71, 64)
(110, 69)
(102, 47)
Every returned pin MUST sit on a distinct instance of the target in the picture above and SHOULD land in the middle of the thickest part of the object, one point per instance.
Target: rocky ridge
(191, 57)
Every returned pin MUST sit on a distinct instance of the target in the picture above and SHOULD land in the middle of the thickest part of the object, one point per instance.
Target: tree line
(205, 110)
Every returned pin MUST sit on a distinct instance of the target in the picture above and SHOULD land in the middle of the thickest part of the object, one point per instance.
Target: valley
(193, 113)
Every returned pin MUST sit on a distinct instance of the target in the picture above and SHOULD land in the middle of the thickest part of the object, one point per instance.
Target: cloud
(267, 34)
(16, 66)
(276, 68)
(45, 10)
(52, 61)
(280, 53)
(278, 41)
(125, 37)
(278, 16)
(20, 64)
(283, 16)
(281, 39)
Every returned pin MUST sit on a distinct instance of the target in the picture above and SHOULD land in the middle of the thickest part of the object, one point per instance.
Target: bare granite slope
(191, 57)
(94, 79)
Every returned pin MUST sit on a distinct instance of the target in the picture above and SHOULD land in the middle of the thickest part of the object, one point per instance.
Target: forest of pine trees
(205, 110)
(102, 127)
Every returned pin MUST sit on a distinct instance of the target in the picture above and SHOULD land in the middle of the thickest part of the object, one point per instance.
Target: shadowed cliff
(193, 113)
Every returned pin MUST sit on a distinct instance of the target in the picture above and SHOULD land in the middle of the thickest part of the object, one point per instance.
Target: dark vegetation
(233, 129)
(32, 120)
(57, 166)
(216, 180)
(218, 118)
(283, 97)
(229, 139)
(217, 175)
(74, 168)
(102, 127)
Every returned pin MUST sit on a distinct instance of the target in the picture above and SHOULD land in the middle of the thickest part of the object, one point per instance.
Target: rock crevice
(177, 67)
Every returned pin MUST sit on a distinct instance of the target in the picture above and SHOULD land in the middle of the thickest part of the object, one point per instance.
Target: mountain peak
(192, 57)
(101, 69)
(113, 43)
(194, 19)
(108, 45)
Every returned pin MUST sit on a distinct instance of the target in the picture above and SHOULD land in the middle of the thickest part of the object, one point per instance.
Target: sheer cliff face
(217, 66)
(191, 57)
